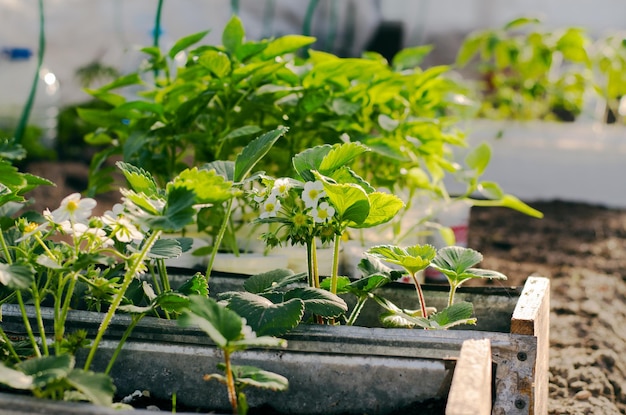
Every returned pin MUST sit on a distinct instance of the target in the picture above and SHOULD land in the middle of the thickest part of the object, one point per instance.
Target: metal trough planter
(340, 369)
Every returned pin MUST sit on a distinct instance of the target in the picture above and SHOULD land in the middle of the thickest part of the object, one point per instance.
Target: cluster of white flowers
(312, 194)
(74, 217)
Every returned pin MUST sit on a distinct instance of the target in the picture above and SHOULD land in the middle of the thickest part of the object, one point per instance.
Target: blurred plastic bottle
(17, 69)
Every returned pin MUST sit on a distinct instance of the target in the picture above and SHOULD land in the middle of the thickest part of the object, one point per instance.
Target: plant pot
(396, 369)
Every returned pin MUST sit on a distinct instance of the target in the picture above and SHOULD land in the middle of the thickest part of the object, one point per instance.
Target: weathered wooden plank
(470, 393)
(532, 317)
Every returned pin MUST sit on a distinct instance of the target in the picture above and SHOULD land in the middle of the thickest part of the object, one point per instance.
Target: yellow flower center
(72, 205)
(30, 227)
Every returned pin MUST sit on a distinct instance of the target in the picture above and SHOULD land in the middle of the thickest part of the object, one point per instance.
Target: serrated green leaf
(272, 280)
(198, 284)
(169, 248)
(319, 302)
(339, 156)
(255, 151)
(253, 376)
(454, 315)
(221, 324)
(15, 379)
(413, 258)
(98, 388)
(207, 185)
(456, 259)
(349, 200)
(265, 317)
(310, 159)
(383, 208)
(47, 369)
(172, 302)
(17, 276)
(138, 179)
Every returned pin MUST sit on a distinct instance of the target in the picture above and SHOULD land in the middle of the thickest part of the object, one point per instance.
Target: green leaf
(286, 44)
(456, 259)
(138, 179)
(253, 376)
(216, 62)
(272, 281)
(198, 285)
(478, 159)
(387, 123)
(383, 208)
(17, 276)
(185, 42)
(122, 81)
(265, 317)
(319, 302)
(207, 185)
(339, 156)
(14, 378)
(244, 131)
(454, 315)
(172, 302)
(310, 159)
(412, 258)
(169, 248)
(47, 369)
(350, 201)
(233, 35)
(410, 57)
(221, 324)
(469, 48)
(178, 210)
(521, 21)
(255, 151)
(98, 388)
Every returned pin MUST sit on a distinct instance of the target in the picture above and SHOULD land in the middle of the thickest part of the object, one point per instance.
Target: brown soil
(581, 248)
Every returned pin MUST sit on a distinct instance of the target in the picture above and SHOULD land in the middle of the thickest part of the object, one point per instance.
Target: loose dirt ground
(582, 249)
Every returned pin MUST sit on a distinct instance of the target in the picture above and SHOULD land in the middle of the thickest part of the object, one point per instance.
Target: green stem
(453, 288)
(309, 261)
(356, 311)
(120, 345)
(59, 324)
(335, 271)
(162, 270)
(21, 126)
(316, 267)
(38, 317)
(9, 344)
(27, 326)
(132, 270)
(220, 235)
(420, 294)
(5, 248)
(230, 382)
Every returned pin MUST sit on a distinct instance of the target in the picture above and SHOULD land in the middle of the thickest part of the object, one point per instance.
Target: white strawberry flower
(74, 208)
(270, 207)
(322, 213)
(312, 193)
